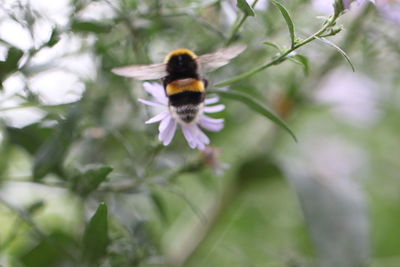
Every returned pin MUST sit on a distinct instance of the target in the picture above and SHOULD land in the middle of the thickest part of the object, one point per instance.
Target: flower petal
(157, 118)
(214, 109)
(194, 136)
(211, 120)
(163, 127)
(169, 133)
(164, 123)
(211, 100)
(157, 91)
(188, 135)
(201, 138)
(200, 135)
(213, 125)
(150, 103)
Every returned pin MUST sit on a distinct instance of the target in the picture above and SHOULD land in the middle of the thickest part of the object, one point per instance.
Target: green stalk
(282, 57)
(238, 25)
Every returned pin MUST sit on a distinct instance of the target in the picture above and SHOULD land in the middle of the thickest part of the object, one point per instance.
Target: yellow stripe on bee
(183, 85)
(179, 51)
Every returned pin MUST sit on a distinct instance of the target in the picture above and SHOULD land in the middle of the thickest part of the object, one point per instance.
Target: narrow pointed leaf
(90, 26)
(288, 20)
(87, 181)
(95, 238)
(159, 205)
(54, 38)
(301, 60)
(256, 106)
(245, 7)
(273, 45)
(326, 41)
(10, 64)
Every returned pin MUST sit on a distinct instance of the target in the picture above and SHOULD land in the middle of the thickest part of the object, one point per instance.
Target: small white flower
(168, 122)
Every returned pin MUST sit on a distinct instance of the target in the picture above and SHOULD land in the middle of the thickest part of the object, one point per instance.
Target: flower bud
(340, 6)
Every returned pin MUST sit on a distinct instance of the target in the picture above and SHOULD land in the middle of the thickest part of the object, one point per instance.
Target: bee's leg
(205, 82)
(164, 81)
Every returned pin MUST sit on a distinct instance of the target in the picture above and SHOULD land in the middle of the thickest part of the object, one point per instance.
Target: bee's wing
(219, 58)
(142, 72)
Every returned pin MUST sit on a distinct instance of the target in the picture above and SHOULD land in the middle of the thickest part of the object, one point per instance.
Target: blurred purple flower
(168, 122)
(332, 158)
(347, 3)
(353, 97)
(326, 6)
(389, 9)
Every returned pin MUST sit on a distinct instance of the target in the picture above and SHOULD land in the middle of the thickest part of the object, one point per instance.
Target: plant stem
(24, 216)
(282, 57)
(238, 25)
(231, 190)
(235, 30)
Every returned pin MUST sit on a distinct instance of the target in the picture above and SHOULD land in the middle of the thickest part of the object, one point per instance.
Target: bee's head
(180, 51)
(182, 62)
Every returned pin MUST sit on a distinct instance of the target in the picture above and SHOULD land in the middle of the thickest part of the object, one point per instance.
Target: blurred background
(84, 182)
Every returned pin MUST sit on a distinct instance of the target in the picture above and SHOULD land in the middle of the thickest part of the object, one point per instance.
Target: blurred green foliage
(86, 182)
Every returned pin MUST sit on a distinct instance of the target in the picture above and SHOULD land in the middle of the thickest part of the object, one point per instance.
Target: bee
(180, 75)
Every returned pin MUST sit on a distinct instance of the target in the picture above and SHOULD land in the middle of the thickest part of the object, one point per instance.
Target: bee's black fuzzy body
(183, 86)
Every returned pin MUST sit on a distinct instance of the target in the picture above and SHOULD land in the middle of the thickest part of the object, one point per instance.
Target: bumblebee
(180, 75)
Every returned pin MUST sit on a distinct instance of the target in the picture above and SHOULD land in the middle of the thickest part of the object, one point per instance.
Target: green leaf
(30, 137)
(258, 168)
(273, 45)
(326, 41)
(95, 238)
(256, 106)
(302, 60)
(288, 20)
(54, 38)
(50, 156)
(159, 205)
(244, 6)
(337, 205)
(90, 26)
(11, 63)
(49, 252)
(13, 57)
(87, 181)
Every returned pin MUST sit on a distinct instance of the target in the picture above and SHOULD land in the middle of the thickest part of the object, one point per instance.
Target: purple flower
(351, 96)
(168, 122)
(347, 3)
(389, 9)
(338, 5)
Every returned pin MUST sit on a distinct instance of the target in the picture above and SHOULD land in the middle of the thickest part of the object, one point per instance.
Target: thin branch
(238, 25)
(282, 56)
(24, 216)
